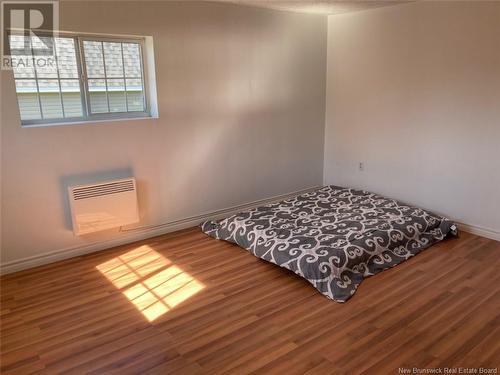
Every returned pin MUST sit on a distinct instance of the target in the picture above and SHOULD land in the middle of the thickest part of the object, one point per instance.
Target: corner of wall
(325, 116)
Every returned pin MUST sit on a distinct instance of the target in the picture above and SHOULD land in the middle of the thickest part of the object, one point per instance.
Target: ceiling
(319, 6)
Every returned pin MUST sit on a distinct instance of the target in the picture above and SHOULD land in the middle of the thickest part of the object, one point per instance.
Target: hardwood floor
(107, 313)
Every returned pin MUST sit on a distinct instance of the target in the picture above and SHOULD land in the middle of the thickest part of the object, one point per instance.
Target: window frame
(89, 117)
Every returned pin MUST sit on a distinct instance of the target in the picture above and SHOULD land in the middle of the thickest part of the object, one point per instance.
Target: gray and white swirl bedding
(334, 237)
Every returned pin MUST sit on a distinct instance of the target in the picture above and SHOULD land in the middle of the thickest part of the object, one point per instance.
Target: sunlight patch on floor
(150, 281)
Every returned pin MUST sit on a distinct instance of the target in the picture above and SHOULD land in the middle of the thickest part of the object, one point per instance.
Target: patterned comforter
(334, 237)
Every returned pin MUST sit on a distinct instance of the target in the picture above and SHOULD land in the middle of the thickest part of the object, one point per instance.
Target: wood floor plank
(104, 313)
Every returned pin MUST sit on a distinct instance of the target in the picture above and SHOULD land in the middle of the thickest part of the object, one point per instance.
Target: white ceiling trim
(325, 7)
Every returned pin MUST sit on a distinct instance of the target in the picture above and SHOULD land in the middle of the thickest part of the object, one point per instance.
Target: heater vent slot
(103, 189)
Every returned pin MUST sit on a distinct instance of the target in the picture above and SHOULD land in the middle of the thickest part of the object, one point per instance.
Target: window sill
(87, 122)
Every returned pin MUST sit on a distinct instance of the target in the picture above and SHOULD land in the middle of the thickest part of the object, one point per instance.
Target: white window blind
(88, 79)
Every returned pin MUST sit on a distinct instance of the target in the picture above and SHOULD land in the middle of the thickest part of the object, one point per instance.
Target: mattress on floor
(334, 237)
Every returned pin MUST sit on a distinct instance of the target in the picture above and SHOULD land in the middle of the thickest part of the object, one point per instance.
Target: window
(87, 79)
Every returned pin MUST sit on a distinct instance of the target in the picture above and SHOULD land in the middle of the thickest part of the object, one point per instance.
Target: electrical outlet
(361, 166)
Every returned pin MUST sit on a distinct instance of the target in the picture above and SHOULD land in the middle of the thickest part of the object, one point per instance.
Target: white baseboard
(480, 231)
(136, 234)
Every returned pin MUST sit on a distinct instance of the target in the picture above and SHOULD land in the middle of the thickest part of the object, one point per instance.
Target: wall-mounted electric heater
(103, 206)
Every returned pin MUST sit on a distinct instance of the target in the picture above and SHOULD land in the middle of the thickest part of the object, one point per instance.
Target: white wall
(413, 91)
(241, 96)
